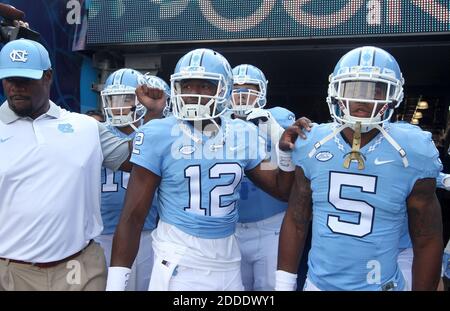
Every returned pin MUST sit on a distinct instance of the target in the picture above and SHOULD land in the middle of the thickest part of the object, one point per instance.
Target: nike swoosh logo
(2, 140)
(378, 162)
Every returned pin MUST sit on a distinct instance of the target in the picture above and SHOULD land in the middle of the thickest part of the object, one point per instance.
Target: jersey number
(110, 185)
(193, 173)
(364, 210)
(138, 141)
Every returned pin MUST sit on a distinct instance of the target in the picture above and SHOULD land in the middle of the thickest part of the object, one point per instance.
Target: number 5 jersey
(358, 215)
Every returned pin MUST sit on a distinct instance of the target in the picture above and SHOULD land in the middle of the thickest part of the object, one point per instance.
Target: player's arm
(141, 188)
(275, 182)
(425, 229)
(294, 230)
(278, 182)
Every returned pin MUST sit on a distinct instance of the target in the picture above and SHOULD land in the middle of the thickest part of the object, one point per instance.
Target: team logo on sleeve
(324, 156)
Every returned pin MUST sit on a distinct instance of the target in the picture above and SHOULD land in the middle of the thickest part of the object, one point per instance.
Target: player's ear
(48, 76)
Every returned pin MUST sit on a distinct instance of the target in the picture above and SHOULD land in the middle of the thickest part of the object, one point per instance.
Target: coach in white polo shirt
(50, 161)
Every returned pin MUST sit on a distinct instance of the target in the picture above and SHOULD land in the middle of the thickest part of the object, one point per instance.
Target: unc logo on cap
(18, 56)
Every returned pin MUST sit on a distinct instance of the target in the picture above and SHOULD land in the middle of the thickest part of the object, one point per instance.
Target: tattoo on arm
(424, 211)
(300, 201)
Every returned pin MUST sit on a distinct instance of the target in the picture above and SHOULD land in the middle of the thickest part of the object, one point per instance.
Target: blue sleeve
(145, 148)
(283, 116)
(425, 156)
(260, 155)
(256, 152)
(301, 151)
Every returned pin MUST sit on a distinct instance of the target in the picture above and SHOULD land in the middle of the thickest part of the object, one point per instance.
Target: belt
(48, 264)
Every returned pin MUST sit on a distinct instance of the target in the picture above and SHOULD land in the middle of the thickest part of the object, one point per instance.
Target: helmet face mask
(249, 89)
(245, 98)
(120, 103)
(366, 86)
(193, 102)
(197, 98)
(122, 109)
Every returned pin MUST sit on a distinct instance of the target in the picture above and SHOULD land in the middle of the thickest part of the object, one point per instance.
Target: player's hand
(287, 140)
(19, 23)
(257, 115)
(153, 99)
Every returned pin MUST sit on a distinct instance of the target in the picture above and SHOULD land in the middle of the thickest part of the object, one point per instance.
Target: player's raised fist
(154, 99)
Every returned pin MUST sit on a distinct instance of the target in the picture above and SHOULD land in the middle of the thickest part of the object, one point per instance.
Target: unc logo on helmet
(206, 65)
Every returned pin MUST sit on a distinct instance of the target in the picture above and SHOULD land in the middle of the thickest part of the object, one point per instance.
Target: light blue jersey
(405, 239)
(446, 261)
(114, 185)
(360, 215)
(200, 181)
(255, 204)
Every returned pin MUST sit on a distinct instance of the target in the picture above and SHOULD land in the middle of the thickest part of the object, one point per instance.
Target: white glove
(117, 278)
(268, 126)
(257, 115)
(285, 281)
(446, 182)
(443, 181)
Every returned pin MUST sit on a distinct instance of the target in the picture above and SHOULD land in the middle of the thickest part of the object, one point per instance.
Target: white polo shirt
(50, 182)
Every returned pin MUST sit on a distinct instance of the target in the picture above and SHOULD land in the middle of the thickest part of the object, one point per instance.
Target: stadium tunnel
(298, 71)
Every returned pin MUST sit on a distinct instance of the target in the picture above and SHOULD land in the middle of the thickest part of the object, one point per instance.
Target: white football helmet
(120, 102)
(202, 64)
(365, 75)
(244, 99)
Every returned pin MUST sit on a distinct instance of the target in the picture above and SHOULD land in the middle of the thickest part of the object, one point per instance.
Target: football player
(124, 114)
(196, 158)
(360, 179)
(260, 215)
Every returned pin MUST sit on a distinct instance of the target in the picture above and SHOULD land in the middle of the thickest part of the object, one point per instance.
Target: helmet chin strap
(198, 140)
(355, 154)
(120, 120)
(364, 128)
(320, 143)
(134, 127)
(394, 144)
(242, 112)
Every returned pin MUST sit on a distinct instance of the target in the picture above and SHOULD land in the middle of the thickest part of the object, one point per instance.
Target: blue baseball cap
(23, 58)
